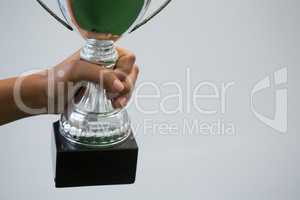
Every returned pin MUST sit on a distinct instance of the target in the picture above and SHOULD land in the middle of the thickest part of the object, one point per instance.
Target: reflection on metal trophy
(93, 121)
(85, 149)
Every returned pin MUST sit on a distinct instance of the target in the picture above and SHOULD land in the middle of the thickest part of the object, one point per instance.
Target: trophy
(93, 141)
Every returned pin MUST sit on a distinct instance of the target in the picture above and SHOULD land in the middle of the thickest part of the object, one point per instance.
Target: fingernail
(123, 101)
(118, 85)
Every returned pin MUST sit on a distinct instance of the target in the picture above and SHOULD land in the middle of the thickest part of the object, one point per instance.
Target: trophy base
(76, 165)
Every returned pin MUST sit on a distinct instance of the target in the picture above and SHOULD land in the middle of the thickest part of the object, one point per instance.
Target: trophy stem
(104, 53)
(93, 121)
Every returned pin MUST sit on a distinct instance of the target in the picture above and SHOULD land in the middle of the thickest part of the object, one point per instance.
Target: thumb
(107, 78)
(111, 82)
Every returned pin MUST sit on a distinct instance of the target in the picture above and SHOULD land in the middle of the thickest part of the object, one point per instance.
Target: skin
(35, 93)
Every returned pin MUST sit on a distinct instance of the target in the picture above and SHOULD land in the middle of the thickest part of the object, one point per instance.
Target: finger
(125, 62)
(132, 77)
(130, 81)
(120, 102)
(111, 82)
(121, 75)
(122, 99)
(84, 71)
(122, 52)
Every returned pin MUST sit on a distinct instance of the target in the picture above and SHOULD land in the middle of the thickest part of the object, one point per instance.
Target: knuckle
(129, 81)
(127, 90)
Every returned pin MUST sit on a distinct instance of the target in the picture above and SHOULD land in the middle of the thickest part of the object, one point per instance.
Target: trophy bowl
(93, 121)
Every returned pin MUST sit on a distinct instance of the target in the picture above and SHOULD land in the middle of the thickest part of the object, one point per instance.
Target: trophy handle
(63, 22)
(147, 19)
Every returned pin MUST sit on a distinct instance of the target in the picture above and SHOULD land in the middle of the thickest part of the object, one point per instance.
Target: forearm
(21, 97)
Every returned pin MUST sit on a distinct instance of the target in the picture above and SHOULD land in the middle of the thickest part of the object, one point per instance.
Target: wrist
(35, 91)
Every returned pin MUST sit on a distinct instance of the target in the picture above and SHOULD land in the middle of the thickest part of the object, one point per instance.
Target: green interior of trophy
(106, 16)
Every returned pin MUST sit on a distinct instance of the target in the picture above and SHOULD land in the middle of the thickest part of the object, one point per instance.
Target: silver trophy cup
(93, 121)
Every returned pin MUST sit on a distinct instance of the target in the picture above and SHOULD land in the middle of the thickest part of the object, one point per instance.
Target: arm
(33, 90)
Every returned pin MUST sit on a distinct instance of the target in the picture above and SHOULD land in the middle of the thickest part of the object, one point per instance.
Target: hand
(118, 82)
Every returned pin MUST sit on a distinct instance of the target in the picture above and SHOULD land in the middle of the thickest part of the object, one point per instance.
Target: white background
(219, 41)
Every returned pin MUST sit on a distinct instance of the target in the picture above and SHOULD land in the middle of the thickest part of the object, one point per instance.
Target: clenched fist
(29, 95)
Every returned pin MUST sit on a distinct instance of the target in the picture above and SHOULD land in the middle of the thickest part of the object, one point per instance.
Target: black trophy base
(77, 166)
